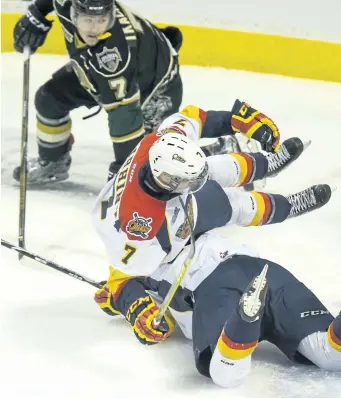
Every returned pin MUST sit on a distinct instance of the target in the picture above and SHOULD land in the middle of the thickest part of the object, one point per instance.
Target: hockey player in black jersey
(118, 60)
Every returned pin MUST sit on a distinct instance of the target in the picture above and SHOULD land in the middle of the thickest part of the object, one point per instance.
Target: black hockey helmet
(93, 7)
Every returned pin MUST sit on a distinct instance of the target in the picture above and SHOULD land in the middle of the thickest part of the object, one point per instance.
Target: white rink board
(309, 19)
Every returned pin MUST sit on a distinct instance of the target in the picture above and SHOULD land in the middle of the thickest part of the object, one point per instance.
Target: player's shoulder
(140, 215)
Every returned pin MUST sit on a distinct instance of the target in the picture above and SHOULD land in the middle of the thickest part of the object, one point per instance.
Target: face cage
(76, 14)
(180, 185)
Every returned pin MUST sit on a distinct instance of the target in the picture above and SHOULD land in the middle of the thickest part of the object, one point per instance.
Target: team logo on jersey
(139, 226)
(177, 157)
(184, 229)
(224, 254)
(109, 59)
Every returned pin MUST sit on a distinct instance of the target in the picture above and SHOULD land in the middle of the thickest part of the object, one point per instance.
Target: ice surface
(56, 343)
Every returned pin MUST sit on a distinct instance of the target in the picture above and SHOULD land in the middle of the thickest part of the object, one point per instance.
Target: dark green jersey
(122, 70)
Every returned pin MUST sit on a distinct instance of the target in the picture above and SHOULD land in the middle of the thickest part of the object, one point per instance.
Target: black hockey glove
(31, 30)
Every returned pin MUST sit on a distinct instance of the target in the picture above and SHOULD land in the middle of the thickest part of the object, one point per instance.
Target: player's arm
(243, 119)
(125, 290)
(197, 123)
(32, 28)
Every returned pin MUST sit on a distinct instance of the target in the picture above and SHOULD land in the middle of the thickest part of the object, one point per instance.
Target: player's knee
(47, 103)
(317, 348)
(42, 99)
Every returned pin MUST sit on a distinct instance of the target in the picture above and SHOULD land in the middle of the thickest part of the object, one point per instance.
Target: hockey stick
(71, 273)
(183, 270)
(23, 163)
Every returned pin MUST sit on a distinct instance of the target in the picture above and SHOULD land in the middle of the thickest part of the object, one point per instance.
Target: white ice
(54, 340)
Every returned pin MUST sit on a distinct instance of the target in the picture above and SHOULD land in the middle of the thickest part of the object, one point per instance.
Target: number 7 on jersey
(129, 252)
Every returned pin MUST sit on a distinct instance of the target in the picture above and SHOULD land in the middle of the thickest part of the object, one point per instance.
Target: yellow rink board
(203, 46)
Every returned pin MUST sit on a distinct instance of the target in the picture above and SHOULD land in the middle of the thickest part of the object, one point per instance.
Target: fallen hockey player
(220, 309)
(144, 217)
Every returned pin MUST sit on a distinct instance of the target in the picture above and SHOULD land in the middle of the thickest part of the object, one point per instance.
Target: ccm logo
(313, 313)
(34, 21)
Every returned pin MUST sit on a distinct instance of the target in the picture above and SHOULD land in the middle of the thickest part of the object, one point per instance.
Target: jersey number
(130, 250)
(119, 86)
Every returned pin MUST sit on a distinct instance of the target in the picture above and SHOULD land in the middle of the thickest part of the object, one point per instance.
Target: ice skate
(252, 301)
(309, 199)
(289, 151)
(222, 145)
(40, 171)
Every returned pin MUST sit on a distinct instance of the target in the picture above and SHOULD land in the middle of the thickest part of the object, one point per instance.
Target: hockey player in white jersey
(219, 308)
(140, 214)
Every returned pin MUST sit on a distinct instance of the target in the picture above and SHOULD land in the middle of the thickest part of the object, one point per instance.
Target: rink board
(311, 59)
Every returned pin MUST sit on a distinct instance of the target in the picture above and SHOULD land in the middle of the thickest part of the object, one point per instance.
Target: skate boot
(222, 145)
(40, 171)
(114, 167)
(289, 151)
(309, 199)
(252, 302)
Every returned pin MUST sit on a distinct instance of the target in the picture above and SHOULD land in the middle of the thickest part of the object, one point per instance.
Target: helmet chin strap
(151, 187)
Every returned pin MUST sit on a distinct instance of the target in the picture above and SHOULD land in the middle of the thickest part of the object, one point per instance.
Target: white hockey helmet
(178, 164)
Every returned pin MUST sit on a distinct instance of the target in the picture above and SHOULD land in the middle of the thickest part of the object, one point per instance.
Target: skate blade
(262, 278)
(41, 183)
(306, 144)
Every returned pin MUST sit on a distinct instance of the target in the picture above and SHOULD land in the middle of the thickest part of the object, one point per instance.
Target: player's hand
(31, 30)
(141, 314)
(105, 300)
(253, 124)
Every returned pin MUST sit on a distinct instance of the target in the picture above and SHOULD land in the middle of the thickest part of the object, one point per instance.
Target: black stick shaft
(25, 252)
(23, 162)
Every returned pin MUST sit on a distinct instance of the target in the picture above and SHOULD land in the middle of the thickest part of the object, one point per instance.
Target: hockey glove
(253, 124)
(141, 314)
(105, 300)
(31, 30)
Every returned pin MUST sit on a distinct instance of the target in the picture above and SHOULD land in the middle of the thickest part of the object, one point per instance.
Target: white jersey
(212, 248)
(142, 233)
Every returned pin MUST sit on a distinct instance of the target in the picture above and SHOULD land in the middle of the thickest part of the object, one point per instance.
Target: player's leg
(222, 338)
(247, 167)
(53, 101)
(323, 348)
(299, 324)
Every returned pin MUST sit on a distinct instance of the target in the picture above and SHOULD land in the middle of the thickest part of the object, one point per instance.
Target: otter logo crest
(139, 226)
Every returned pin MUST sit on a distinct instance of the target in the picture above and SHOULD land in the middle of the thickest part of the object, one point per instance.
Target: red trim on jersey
(202, 116)
(141, 215)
